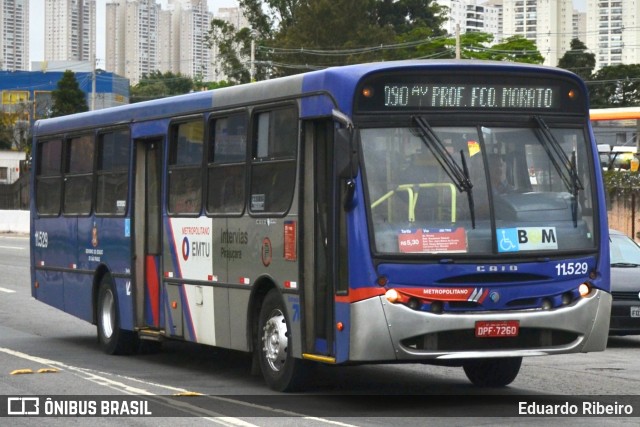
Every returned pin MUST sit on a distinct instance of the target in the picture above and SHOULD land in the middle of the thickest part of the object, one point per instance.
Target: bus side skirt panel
(50, 288)
(78, 295)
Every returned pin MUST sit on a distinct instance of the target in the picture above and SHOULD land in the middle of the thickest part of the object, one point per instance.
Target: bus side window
(273, 169)
(227, 165)
(185, 167)
(112, 172)
(49, 177)
(78, 178)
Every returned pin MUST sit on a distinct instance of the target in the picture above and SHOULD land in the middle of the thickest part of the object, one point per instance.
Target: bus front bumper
(383, 331)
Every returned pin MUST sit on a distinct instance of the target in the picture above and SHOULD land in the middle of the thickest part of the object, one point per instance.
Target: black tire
(281, 371)
(113, 340)
(492, 372)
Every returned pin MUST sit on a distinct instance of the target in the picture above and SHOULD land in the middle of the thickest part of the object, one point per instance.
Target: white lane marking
(12, 247)
(116, 385)
(9, 291)
(119, 386)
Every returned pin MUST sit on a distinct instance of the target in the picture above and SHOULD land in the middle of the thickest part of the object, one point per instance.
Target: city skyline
(36, 26)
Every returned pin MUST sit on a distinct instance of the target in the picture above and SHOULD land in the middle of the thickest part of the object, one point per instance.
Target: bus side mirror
(345, 153)
(346, 163)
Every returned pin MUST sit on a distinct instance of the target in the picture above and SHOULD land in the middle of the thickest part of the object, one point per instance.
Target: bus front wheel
(113, 340)
(280, 369)
(492, 372)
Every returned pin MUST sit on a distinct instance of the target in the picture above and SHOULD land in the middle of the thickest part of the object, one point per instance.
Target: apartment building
(474, 15)
(548, 23)
(142, 38)
(614, 32)
(70, 30)
(131, 39)
(14, 40)
(191, 54)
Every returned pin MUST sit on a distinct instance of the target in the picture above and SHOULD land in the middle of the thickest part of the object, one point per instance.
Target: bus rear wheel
(492, 372)
(113, 340)
(280, 369)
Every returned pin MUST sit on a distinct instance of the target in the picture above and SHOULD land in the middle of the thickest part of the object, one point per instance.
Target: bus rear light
(174, 304)
(567, 298)
(382, 280)
(584, 289)
(340, 326)
(547, 304)
(593, 275)
(36, 284)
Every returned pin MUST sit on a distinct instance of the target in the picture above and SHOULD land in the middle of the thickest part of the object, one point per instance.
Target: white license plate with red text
(497, 328)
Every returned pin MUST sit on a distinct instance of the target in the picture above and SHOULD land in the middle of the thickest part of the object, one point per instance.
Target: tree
(159, 85)
(516, 49)
(615, 86)
(344, 26)
(6, 133)
(232, 45)
(406, 15)
(578, 60)
(296, 35)
(68, 98)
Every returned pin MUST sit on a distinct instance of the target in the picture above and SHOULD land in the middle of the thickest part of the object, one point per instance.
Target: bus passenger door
(319, 223)
(147, 231)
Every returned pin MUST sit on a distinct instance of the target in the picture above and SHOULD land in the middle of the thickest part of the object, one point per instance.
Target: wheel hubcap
(107, 313)
(275, 341)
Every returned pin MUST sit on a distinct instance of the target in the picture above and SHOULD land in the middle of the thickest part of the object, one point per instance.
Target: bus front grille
(465, 340)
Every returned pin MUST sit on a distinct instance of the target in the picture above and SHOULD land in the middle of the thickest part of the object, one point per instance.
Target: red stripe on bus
(153, 288)
(360, 294)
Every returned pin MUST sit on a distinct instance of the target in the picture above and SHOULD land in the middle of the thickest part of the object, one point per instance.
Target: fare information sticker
(432, 240)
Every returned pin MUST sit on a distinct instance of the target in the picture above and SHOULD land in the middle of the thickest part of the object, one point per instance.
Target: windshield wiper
(435, 145)
(459, 176)
(565, 167)
(472, 210)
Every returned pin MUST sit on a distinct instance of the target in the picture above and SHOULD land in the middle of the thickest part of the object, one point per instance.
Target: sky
(36, 26)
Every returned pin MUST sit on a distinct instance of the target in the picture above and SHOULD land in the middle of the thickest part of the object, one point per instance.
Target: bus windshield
(530, 189)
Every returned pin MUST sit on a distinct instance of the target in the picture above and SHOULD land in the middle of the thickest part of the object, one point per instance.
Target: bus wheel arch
(112, 338)
(259, 291)
(98, 275)
(270, 328)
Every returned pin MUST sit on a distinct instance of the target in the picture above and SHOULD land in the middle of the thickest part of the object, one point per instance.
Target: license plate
(635, 311)
(497, 328)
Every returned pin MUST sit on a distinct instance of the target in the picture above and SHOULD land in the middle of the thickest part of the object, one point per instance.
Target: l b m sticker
(526, 239)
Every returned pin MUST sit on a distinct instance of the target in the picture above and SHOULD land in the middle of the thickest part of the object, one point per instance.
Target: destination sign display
(478, 92)
(471, 96)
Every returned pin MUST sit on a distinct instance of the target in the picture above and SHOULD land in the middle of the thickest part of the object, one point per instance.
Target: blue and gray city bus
(443, 212)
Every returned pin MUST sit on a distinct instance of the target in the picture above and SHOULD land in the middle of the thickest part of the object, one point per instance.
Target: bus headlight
(584, 289)
(392, 296)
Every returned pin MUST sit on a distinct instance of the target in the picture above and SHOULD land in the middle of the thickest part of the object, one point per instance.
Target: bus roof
(338, 83)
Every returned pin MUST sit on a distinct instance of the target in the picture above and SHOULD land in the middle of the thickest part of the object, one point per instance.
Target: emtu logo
(185, 248)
